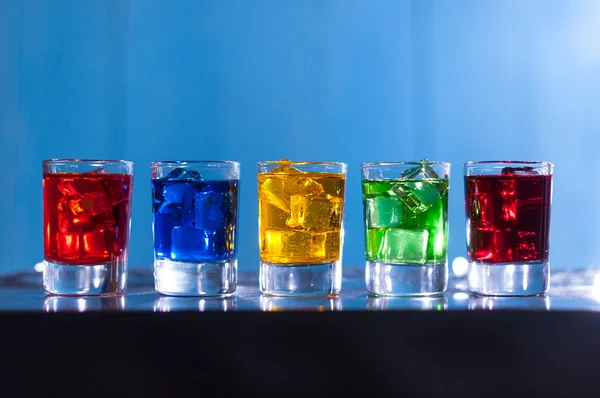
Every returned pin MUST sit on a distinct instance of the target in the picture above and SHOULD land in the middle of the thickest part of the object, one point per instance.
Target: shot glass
(406, 227)
(87, 217)
(507, 206)
(195, 209)
(300, 207)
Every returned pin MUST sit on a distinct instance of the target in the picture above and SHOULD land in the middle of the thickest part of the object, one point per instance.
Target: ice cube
(286, 167)
(68, 245)
(85, 206)
(406, 245)
(97, 243)
(295, 245)
(526, 249)
(421, 172)
(493, 244)
(417, 193)
(278, 191)
(383, 212)
(181, 173)
(375, 243)
(169, 208)
(320, 213)
(162, 227)
(117, 189)
(509, 200)
(99, 170)
(89, 203)
(85, 220)
(482, 210)
(194, 244)
(205, 210)
(173, 192)
(333, 244)
(520, 171)
(418, 196)
(80, 186)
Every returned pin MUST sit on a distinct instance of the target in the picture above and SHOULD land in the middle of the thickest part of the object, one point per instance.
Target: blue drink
(195, 219)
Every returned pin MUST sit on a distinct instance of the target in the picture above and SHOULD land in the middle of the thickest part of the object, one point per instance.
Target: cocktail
(507, 206)
(406, 223)
(195, 227)
(87, 212)
(301, 227)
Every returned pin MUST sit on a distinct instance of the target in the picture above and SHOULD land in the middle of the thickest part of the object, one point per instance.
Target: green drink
(406, 225)
(399, 233)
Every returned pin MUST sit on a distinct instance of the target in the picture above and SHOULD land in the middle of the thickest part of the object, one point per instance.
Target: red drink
(508, 216)
(86, 217)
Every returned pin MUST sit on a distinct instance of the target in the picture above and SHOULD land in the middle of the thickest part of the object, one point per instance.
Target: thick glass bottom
(301, 280)
(176, 278)
(385, 279)
(85, 280)
(509, 279)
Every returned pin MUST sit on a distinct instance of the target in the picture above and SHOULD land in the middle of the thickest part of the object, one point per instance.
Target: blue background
(349, 81)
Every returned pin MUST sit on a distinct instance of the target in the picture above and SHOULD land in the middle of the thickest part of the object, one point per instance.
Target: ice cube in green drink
(406, 245)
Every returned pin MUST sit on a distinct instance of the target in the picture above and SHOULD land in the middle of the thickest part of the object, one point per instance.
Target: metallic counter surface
(577, 290)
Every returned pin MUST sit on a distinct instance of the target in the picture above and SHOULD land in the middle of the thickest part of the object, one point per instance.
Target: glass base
(301, 280)
(85, 280)
(175, 278)
(509, 279)
(384, 279)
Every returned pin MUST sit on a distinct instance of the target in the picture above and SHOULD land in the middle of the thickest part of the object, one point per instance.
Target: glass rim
(506, 162)
(300, 163)
(64, 161)
(193, 162)
(369, 164)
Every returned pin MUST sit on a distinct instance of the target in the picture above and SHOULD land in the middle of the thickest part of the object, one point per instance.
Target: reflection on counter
(434, 303)
(201, 304)
(320, 304)
(54, 303)
(509, 303)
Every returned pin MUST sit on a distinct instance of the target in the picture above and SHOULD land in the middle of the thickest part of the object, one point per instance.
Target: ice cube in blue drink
(163, 225)
(206, 209)
(183, 174)
(195, 244)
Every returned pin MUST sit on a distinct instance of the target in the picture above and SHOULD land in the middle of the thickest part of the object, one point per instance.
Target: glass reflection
(201, 304)
(320, 304)
(509, 303)
(54, 303)
(436, 303)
